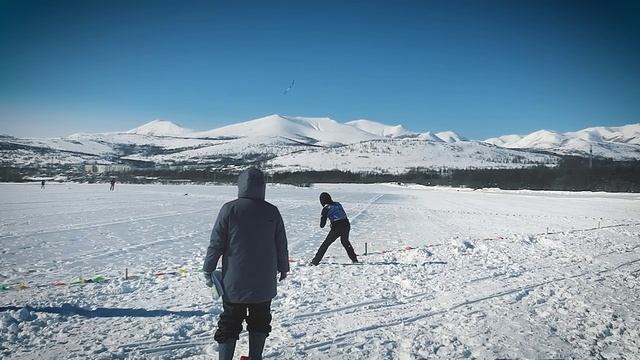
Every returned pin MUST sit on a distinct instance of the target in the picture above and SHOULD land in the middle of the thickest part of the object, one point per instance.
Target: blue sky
(480, 68)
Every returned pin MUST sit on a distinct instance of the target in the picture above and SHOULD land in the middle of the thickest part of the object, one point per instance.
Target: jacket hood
(251, 184)
(325, 199)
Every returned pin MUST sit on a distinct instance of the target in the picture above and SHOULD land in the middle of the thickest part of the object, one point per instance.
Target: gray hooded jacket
(249, 235)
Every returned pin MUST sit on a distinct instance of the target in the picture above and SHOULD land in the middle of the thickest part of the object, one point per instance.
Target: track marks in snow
(390, 312)
(144, 348)
(340, 309)
(375, 199)
(103, 224)
(126, 249)
(491, 301)
(513, 286)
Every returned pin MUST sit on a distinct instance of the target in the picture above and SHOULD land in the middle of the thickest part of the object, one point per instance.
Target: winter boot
(256, 345)
(226, 350)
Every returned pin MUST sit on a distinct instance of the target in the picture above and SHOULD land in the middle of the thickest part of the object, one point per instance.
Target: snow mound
(462, 246)
(417, 255)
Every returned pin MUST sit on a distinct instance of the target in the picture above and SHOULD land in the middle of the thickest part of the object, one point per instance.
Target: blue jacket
(250, 237)
(334, 212)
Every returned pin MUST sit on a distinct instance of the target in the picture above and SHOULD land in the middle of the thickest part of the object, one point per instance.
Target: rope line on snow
(98, 279)
(183, 271)
(495, 238)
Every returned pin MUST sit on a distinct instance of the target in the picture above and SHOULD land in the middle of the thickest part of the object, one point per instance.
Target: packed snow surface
(451, 273)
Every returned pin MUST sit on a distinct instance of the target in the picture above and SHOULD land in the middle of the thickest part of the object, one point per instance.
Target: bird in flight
(289, 88)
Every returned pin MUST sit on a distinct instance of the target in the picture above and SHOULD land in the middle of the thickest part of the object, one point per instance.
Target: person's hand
(207, 279)
(283, 275)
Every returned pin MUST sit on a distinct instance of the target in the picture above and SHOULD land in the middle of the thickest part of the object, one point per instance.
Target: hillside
(286, 143)
(620, 143)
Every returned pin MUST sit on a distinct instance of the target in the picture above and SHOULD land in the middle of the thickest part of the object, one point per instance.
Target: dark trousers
(230, 323)
(338, 230)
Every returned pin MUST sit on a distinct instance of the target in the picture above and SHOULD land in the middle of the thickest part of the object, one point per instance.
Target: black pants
(230, 323)
(338, 230)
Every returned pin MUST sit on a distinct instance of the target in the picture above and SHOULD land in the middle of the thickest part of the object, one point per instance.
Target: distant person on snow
(340, 227)
(250, 237)
(113, 185)
(42, 184)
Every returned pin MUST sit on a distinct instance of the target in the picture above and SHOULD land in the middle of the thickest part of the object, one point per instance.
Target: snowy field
(451, 274)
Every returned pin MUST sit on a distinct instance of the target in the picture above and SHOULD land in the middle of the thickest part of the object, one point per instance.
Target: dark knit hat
(325, 199)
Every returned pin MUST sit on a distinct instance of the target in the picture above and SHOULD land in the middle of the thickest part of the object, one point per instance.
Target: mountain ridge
(294, 143)
(297, 127)
(326, 131)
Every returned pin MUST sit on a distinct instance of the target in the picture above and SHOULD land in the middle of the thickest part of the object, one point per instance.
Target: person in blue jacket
(340, 228)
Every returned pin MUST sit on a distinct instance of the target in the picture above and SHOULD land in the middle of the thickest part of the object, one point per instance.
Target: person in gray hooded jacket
(250, 237)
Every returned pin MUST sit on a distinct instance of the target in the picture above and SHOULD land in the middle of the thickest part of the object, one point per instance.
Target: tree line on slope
(571, 174)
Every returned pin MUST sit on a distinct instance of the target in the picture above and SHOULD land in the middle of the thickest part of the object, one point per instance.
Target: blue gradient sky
(480, 68)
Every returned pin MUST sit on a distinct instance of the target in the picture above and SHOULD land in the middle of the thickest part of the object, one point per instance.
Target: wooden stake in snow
(365, 248)
(126, 273)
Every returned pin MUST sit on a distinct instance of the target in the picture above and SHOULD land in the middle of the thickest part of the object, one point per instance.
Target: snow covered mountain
(309, 130)
(284, 143)
(381, 130)
(400, 155)
(160, 128)
(628, 134)
(312, 131)
(503, 140)
(450, 137)
(620, 143)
